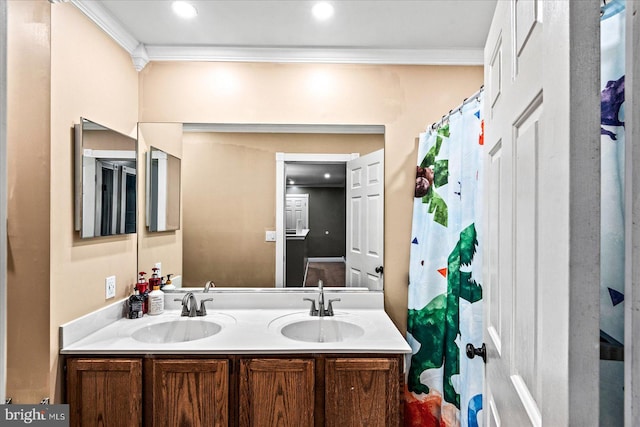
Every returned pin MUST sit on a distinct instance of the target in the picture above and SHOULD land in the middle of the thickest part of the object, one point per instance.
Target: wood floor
(331, 274)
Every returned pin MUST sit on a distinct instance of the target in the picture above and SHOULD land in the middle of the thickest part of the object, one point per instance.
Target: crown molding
(317, 55)
(103, 19)
(284, 128)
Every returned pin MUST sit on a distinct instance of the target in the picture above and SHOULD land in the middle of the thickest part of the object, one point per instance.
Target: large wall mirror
(229, 190)
(105, 180)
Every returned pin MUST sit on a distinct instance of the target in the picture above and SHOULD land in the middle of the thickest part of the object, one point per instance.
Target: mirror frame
(79, 196)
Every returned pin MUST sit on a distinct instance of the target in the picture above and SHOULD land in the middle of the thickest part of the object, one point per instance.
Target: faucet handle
(185, 310)
(313, 311)
(203, 309)
(330, 306)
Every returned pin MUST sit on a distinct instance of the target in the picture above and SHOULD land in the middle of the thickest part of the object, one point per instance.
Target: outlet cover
(110, 287)
(159, 267)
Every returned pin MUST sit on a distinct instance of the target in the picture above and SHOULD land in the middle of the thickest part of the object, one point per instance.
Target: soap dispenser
(168, 285)
(156, 300)
(143, 289)
(154, 279)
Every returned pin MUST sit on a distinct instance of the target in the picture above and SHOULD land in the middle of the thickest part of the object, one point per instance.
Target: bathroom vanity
(256, 359)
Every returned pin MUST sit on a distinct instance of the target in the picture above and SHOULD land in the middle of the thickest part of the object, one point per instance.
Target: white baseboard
(327, 259)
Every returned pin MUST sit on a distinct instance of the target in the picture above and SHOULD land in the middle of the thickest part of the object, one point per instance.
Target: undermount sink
(182, 330)
(322, 329)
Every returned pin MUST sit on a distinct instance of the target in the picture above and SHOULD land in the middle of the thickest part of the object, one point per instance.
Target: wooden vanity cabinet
(321, 391)
(187, 392)
(362, 392)
(104, 392)
(311, 390)
(277, 392)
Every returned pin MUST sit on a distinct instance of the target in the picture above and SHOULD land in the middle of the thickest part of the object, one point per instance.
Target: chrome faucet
(321, 311)
(208, 286)
(189, 305)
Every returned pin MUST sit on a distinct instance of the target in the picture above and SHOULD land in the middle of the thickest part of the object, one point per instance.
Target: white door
(632, 216)
(296, 208)
(541, 228)
(365, 221)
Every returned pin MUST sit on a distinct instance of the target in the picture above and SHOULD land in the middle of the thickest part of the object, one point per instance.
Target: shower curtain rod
(444, 118)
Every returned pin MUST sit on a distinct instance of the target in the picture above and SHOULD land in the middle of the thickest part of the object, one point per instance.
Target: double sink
(241, 322)
(296, 327)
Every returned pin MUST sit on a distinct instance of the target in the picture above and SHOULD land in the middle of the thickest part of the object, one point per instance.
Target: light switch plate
(110, 287)
(270, 236)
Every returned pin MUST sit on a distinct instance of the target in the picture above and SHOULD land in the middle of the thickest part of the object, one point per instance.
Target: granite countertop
(250, 323)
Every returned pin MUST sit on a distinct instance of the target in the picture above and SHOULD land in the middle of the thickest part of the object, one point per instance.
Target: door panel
(540, 216)
(365, 221)
(277, 392)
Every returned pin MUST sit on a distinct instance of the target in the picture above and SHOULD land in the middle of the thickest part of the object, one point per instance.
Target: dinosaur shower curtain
(444, 387)
(612, 69)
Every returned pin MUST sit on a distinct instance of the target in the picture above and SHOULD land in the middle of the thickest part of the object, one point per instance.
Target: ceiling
(360, 31)
(313, 174)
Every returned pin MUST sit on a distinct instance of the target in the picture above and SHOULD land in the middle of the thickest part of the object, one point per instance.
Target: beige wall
(403, 98)
(28, 223)
(229, 194)
(91, 76)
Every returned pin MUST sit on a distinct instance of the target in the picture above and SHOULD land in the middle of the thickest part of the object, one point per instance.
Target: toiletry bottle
(143, 288)
(168, 285)
(154, 279)
(156, 300)
(135, 305)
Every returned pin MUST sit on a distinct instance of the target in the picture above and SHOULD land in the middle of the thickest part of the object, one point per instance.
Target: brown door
(276, 392)
(104, 392)
(188, 392)
(362, 392)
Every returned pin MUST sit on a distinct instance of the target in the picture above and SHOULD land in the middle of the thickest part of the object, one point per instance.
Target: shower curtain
(612, 30)
(444, 387)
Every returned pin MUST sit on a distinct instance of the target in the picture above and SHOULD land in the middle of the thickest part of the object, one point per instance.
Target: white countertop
(250, 324)
(298, 235)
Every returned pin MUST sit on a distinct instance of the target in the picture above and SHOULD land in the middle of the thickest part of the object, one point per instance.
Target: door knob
(473, 352)
(379, 269)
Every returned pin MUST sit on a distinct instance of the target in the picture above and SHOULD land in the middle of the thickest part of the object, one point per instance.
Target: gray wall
(327, 212)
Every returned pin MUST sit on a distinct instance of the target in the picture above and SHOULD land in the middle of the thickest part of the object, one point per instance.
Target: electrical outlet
(159, 267)
(110, 287)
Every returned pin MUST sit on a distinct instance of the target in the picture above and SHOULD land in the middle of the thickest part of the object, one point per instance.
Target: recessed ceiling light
(322, 10)
(184, 9)
(291, 182)
(327, 175)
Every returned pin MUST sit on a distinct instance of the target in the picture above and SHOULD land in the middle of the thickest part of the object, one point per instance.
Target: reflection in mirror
(163, 191)
(229, 204)
(105, 180)
(228, 197)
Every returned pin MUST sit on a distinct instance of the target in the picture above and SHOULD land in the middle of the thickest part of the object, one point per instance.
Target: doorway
(322, 178)
(363, 216)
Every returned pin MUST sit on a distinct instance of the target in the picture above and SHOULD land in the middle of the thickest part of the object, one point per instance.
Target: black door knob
(379, 269)
(473, 352)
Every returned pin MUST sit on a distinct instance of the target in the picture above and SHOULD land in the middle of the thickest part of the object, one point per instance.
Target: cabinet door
(188, 392)
(362, 392)
(276, 392)
(105, 392)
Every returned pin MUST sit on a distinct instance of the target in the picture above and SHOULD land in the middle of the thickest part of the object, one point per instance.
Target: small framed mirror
(163, 191)
(105, 181)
